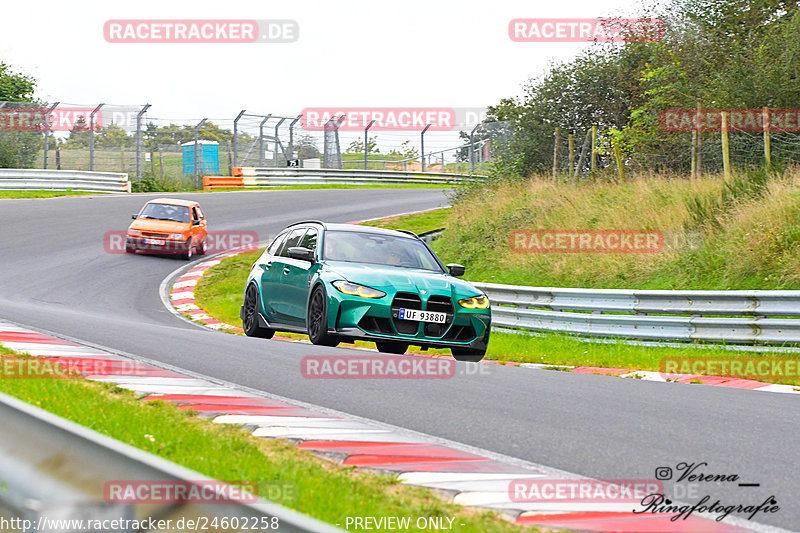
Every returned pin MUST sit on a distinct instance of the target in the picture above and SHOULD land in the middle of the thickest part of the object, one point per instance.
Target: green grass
(44, 194)
(220, 291)
(417, 222)
(324, 490)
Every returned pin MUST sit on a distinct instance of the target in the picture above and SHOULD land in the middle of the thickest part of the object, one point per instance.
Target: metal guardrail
(61, 180)
(253, 176)
(51, 468)
(735, 317)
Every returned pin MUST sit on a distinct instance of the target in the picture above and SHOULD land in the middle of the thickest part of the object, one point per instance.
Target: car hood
(161, 226)
(390, 279)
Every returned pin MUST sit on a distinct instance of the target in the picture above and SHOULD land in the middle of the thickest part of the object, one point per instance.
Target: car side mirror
(134, 216)
(456, 270)
(301, 253)
(195, 222)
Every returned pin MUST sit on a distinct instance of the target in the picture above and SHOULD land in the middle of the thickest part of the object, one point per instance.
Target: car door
(196, 229)
(270, 275)
(294, 281)
(202, 231)
(281, 263)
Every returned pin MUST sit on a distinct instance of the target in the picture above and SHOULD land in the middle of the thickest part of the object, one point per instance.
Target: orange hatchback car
(168, 226)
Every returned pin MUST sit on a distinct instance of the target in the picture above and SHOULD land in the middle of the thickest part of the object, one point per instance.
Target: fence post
(139, 140)
(555, 152)
(236, 136)
(618, 158)
(699, 165)
(196, 155)
(726, 151)
(694, 154)
(91, 136)
(571, 142)
(594, 149)
(422, 145)
(767, 147)
(47, 132)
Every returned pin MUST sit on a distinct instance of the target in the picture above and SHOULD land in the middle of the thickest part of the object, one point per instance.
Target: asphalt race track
(56, 276)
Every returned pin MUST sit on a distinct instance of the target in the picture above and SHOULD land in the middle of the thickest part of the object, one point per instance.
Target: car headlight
(354, 289)
(177, 236)
(476, 302)
(134, 233)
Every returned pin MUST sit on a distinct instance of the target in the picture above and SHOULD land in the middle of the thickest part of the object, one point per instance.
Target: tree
(306, 148)
(79, 136)
(112, 136)
(357, 146)
(18, 149)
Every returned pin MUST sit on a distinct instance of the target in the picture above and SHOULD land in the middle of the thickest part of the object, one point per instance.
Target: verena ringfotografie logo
(62, 118)
(391, 118)
(201, 31)
(582, 490)
(376, 367)
(619, 241)
(574, 30)
(216, 241)
(684, 120)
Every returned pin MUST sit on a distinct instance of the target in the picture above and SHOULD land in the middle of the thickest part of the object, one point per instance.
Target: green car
(342, 282)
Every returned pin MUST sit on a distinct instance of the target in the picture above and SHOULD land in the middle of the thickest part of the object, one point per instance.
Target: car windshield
(378, 249)
(177, 213)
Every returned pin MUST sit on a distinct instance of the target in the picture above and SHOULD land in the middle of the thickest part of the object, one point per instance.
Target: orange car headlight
(134, 233)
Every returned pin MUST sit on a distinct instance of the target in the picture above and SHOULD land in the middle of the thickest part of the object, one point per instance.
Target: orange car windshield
(176, 213)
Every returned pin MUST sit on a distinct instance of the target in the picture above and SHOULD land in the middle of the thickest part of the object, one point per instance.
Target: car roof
(173, 201)
(356, 228)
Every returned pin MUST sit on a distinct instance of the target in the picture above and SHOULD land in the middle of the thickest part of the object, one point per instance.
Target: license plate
(154, 241)
(422, 316)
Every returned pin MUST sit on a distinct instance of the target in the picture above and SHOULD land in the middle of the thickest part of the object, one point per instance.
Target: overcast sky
(454, 53)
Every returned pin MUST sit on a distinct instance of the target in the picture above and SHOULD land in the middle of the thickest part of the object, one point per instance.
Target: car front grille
(155, 235)
(405, 300)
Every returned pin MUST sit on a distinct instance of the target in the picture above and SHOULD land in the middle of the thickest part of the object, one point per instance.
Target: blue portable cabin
(208, 152)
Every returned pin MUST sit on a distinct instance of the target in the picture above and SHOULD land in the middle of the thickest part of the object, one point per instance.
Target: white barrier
(62, 180)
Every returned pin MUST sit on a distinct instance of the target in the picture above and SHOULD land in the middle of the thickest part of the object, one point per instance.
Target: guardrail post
(196, 158)
(47, 132)
(139, 140)
(91, 136)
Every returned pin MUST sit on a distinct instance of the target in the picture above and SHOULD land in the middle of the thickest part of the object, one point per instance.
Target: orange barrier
(222, 182)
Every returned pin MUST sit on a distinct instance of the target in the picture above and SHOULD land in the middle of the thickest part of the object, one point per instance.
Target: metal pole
(91, 136)
(139, 141)
(291, 136)
(277, 142)
(472, 149)
(196, 158)
(422, 145)
(261, 140)
(236, 137)
(366, 144)
(47, 131)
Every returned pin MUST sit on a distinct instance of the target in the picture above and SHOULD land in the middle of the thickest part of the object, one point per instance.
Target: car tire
(188, 253)
(250, 320)
(392, 347)
(468, 354)
(201, 248)
(317, 319)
